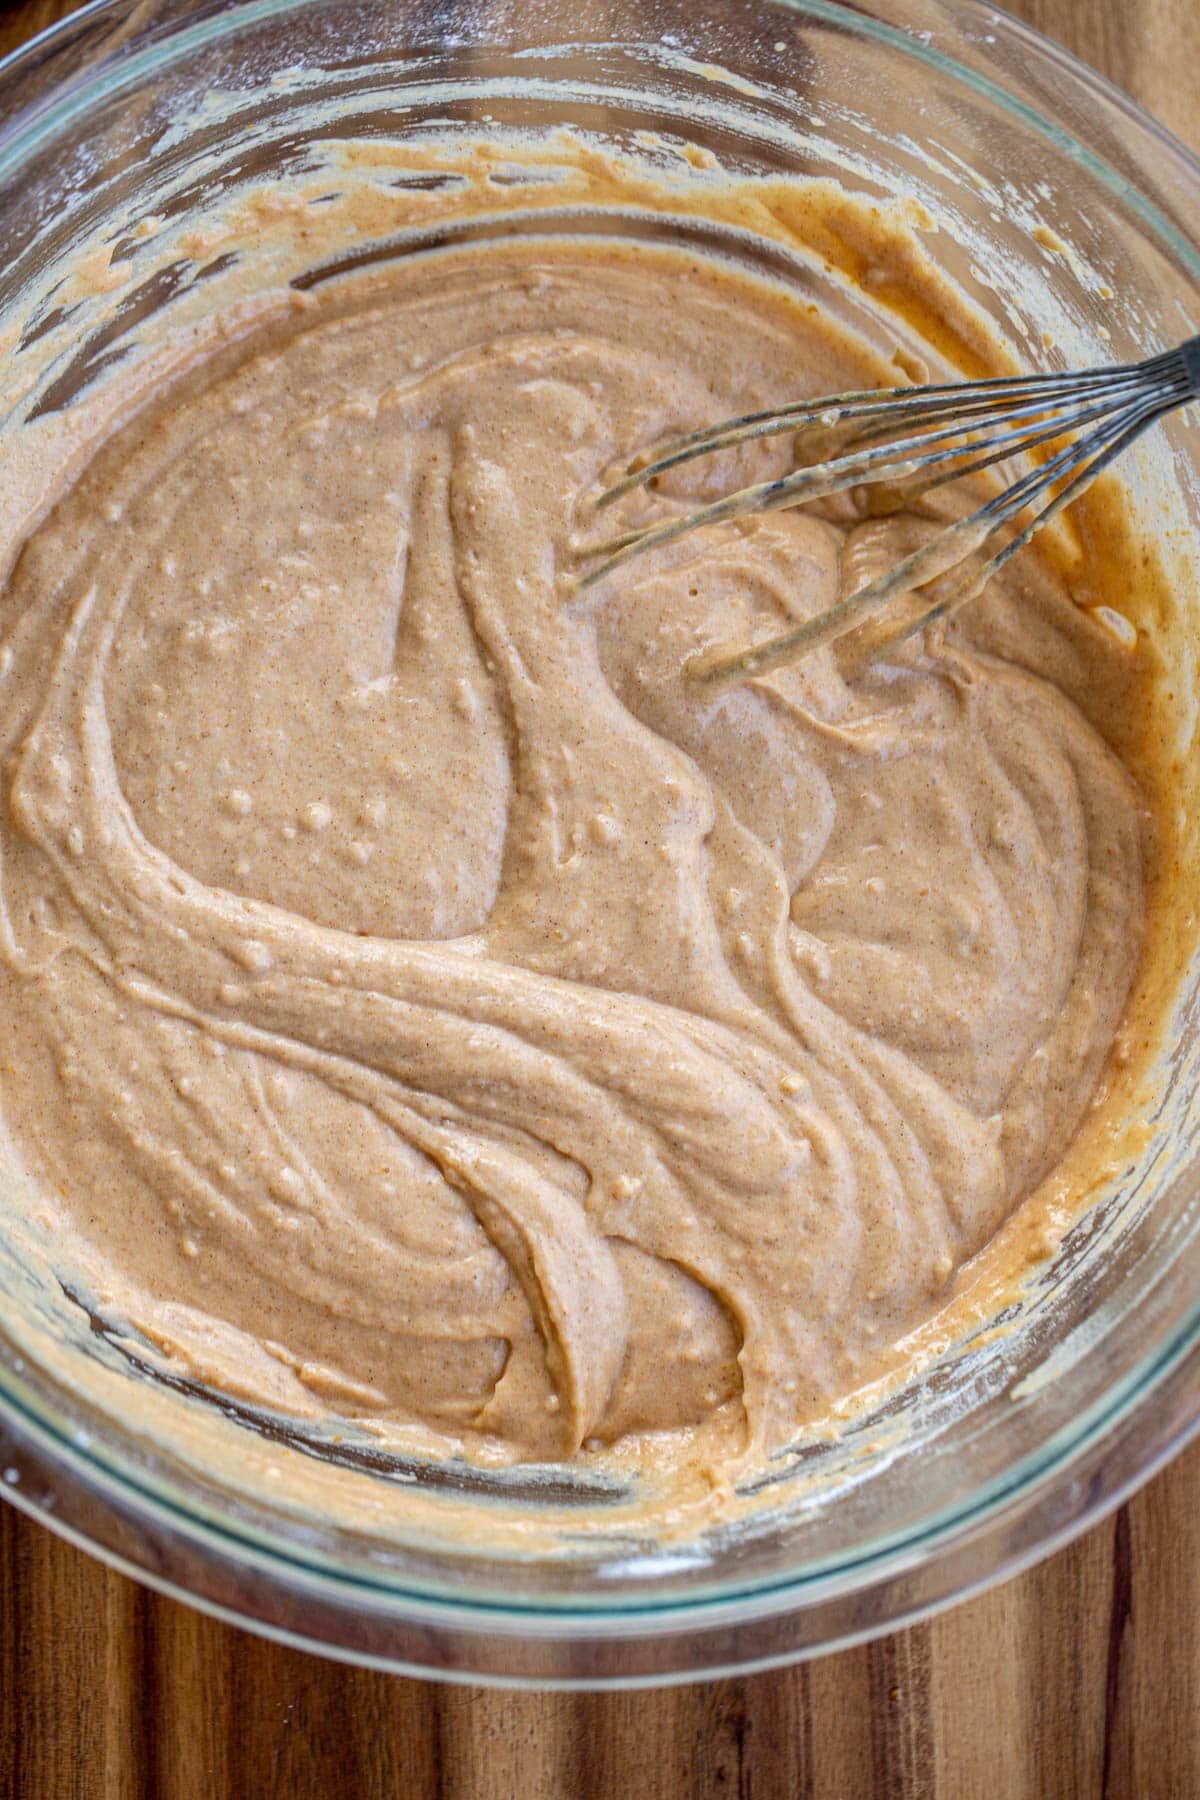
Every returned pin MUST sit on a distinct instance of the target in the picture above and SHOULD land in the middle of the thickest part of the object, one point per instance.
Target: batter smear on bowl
(428, 1006)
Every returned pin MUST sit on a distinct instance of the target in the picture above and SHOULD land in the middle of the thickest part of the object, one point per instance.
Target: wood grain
(1079, 1678)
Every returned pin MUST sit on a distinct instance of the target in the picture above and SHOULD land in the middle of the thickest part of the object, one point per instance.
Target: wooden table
(1079, 1678)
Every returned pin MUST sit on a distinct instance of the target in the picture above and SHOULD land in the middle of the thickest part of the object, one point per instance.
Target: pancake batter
(425, 1004)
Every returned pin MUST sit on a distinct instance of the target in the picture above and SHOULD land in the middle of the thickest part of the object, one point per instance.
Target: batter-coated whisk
(917, 438)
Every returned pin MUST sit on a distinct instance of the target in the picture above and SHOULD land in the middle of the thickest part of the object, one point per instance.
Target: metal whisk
(917, 438)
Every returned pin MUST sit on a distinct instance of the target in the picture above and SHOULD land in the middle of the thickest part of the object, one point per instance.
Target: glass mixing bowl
(1010, 1442)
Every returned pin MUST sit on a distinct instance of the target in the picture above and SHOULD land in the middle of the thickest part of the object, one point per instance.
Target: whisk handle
(1190, 352)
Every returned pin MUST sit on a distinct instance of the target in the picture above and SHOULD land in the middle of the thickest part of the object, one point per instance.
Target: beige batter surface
(424, 1003)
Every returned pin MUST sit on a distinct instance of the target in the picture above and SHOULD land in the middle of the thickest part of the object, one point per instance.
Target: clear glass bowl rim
(1173, 1364)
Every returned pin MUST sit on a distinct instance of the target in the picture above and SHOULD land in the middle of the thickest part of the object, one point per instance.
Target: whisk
(917, 438)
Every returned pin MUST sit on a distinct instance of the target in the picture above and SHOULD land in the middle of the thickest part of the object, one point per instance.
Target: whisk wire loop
(918, 438)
